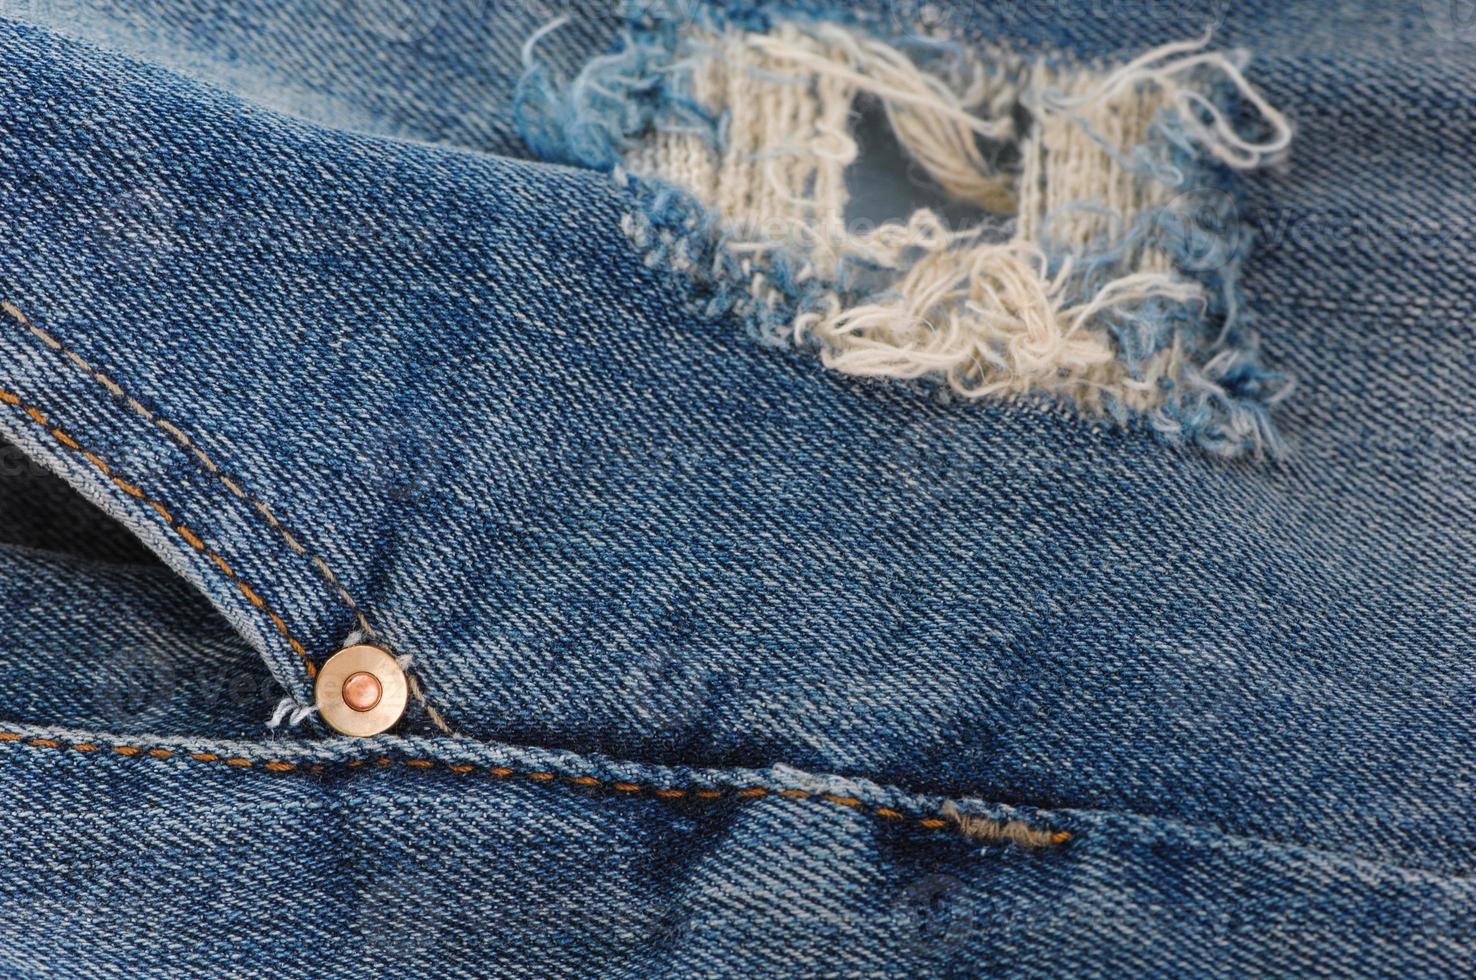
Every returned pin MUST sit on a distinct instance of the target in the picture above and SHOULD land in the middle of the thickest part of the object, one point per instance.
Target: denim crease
(301, 334)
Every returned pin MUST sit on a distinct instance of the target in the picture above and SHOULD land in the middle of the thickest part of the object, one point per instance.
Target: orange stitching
(1055, 838)
(178, 437)
(128, 488)
(258, 505)
(39, 417)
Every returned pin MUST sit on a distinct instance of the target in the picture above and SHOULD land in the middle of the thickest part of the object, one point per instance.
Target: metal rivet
(361, 691)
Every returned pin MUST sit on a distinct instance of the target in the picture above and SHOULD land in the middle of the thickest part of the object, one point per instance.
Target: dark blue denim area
(313, 327)
(353, 866)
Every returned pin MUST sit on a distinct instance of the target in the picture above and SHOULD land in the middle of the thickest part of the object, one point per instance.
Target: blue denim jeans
(734, 652)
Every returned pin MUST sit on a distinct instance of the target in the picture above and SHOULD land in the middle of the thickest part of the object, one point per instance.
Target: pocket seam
(40, 418)
(203, 462)
(183, 441)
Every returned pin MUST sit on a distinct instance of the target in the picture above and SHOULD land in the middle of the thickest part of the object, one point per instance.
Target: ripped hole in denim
(1066, 229)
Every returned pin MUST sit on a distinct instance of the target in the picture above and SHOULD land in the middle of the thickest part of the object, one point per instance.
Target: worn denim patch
(1100, 264)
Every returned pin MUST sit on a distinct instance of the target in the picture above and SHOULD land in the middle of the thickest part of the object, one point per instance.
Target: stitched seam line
(37, 416)
(177, 436)
(1051, 838)
(258, 506)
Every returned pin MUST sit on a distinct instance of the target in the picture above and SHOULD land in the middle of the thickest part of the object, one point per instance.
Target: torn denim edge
(1168, 340)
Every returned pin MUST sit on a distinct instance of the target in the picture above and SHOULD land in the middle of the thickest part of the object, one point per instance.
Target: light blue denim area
(750, 666)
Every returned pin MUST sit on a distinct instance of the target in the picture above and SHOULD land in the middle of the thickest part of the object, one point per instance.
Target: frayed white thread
(988, 317)
(1164, 67)
(992, 320)
(530, 45)
(1045, 310)
(935, 123)
(291, 712)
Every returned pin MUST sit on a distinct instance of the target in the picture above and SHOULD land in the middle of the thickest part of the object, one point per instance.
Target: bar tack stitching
(193, 540)
(1039, 838)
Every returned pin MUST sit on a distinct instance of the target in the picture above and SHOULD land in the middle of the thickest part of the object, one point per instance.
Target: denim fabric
(723, 635)
(122, 648)
(441, 72)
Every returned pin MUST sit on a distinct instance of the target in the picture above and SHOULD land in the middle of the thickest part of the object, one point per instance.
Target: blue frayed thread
(1223, 395)
(593, 119)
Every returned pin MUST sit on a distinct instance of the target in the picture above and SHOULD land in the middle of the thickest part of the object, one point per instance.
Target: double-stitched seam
(210, 467)
(1033, 838)
(133, 490)
(177, 436)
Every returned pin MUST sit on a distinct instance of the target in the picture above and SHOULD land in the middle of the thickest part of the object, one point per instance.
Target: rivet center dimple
(362, 691)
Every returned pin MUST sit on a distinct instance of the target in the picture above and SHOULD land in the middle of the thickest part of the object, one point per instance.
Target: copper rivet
(361, 691)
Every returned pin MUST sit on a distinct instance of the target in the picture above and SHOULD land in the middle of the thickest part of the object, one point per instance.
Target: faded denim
(721, 634)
